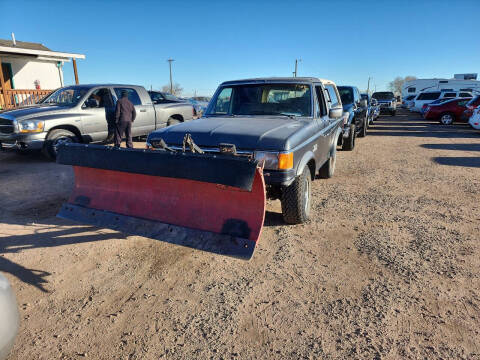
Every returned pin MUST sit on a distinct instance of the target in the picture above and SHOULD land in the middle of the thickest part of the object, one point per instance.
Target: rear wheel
(55, 138)
(349, 143)
(328, 169)
(363, 132)
(447, 118)
(172, 121)
(296, 199)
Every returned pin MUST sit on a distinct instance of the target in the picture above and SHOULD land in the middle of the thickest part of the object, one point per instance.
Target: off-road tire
(443, 118)
(363, 132)
(328, 169)
(349, 143)
(296, 199)
(54, 138)
(172, 121)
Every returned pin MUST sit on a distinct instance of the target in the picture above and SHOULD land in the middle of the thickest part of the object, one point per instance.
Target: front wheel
(55, 138)
(296, 199)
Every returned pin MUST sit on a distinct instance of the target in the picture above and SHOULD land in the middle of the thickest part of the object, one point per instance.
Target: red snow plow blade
(212, 203)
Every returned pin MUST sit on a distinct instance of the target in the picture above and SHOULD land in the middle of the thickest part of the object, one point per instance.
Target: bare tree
(177, 89)
(397, 83)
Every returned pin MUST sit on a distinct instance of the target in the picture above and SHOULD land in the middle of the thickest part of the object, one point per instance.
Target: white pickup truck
(82, 113)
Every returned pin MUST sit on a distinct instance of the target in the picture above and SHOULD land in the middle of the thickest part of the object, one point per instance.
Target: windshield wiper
(291, 116)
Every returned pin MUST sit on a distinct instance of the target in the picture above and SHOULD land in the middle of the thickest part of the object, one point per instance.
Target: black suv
(356, 110)
(387, 102)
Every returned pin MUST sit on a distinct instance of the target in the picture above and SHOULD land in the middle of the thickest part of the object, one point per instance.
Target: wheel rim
(60, 141)
(306, 196)
(447, 119)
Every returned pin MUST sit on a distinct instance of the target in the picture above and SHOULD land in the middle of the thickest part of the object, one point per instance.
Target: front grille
(6, 126)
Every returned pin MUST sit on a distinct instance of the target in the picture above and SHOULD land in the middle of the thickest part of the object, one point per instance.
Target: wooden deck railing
(11, 99)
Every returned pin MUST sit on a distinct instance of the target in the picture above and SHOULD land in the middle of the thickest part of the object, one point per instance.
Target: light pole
(171, 83)
(296, 66)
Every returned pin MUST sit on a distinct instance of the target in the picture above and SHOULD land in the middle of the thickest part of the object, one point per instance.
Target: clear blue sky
(213, 41)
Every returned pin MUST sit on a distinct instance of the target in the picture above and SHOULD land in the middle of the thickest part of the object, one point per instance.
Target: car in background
(408, 101)
(375, 109)
(427, 97)
(447, 112)
(387, 102)
(471, 106)
(356, 122)
(438, 101)
(9, 318)
(474, 120)
(372, 109)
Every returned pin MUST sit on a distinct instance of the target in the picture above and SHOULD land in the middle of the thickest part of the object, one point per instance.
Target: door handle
(143, 110)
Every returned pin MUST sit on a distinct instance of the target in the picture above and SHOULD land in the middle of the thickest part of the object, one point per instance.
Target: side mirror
(335, 113)
(91, 103)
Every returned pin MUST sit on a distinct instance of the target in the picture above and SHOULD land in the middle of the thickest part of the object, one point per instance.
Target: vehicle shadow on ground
(420, 128)
(460, 147)
(12, 157)
(458, 161)
(273, 219)
(45, 236)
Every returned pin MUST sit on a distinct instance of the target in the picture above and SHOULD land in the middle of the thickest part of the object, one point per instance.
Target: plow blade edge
(211, 203)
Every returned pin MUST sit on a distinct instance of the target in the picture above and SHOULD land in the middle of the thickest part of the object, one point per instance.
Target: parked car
(427, 97)
(447, 112)
(408, 101)
(79, 114)
(474, 120)
(291, 125)
(356, 122)
(387, 102)
(438, 101)
(373, 108)
(9, 318)
(471, 106)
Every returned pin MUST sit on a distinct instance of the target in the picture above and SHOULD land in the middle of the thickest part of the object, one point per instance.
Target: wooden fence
(11, 99)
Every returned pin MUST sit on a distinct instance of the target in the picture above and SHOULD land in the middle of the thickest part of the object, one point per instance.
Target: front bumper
(17, 141)
(277, 177)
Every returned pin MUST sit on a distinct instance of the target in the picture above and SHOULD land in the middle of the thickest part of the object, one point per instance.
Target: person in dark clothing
(124, 117)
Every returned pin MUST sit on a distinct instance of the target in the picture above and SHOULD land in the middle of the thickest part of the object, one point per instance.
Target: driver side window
(100, 98)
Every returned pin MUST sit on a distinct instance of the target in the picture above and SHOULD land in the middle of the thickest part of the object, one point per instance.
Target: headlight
(31, 126)
(275, 160)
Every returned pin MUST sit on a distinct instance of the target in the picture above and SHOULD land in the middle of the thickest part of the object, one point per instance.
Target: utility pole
(296, 66)
(171, 83)
(368, 86)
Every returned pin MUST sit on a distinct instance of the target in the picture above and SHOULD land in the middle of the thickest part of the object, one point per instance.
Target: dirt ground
(388, 268)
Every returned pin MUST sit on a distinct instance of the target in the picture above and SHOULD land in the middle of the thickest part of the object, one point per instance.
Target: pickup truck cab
(82, 113)
(356, 112)
(387, 102)
(290, 125)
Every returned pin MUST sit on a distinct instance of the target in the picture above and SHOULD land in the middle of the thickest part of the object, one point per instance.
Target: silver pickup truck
(83, 113)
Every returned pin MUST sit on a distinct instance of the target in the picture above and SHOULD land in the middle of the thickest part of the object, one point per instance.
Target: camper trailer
(460, 82)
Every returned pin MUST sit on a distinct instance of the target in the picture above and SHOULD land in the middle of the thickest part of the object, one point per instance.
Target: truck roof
(96, 85)
(278, 80)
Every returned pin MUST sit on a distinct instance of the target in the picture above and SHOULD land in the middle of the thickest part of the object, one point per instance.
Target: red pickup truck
(447, 112)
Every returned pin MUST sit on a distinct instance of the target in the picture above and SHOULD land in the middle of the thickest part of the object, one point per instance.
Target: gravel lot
(388, 268)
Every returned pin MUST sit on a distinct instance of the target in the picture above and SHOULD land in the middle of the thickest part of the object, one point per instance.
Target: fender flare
(333, 145)
(304, 161)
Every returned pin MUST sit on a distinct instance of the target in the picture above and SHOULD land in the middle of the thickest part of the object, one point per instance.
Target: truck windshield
(383, 95)
(263, 99)
(66, 96)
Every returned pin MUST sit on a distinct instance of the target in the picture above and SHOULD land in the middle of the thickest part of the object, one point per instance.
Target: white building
(30, 71)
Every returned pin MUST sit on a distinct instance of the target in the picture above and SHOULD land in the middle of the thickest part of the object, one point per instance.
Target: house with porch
(29, 71)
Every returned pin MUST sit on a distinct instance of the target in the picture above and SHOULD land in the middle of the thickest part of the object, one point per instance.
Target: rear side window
(465, 95)
(450, 95)
(332, 92)
(411, 97)
(132, 95)
(429, 96)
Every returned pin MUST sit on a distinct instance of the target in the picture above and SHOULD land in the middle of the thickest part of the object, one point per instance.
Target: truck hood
(248, 133)
(33, 111)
